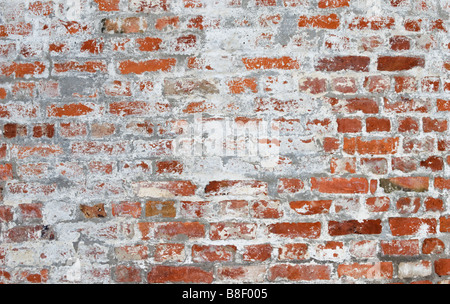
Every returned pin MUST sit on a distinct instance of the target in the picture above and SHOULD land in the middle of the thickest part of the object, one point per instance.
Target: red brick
(124, 274)
(407, 205)
(70, 110)
(443, 105)
(354, 227)
(442, 267)
(340, 185)
(354, 105)
(381, 270)
(44, 151)
(322, 21)
(12, 130)
(371, 43)
(408, 124)
(400, 43)
(377, 83)
(31, 211)
(343, 165)
(313, 85)
(444, 224)
(434, 125)
(373, 23)
(311, 207)
(242, 85)
(20, 70)
(85, 67)
(266, 209)
(44, 130)
(330, 144)
(349, 125)
(378, 204)
(153, 65)
(290, 185)
(260, 253)
(434, 204)
(250, 273)
(21, 234)
(201, 23)
(345, 85)
(192, 209)
(412, 25)
(296, 230)
(411, 226)
(341, 63)
(400, 248)
(127, 108)
(179, 274)
(149, 44)
(6, 172)
(375, 146)
(413, 145)
(20, 28)
(176, 229)
(293, 251)
(193, 3)
(265, 63)
(73, 129)
(430, 84)
(126, 25)
(125, 209)
(375, 124)
(399, 63)
(6, 214)
(232, 230)
(108, 5)
(434, 163)
(230, 187)
(169, 252)
(213, 253)
(333, 3)
(308, 272)
(433, 246)
(405, 84)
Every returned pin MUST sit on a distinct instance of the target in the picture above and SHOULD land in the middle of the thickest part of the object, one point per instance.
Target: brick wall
(156, 141)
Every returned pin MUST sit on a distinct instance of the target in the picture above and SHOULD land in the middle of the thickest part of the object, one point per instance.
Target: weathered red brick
(354, 227)
(322, 21)
(400, 248)
(140, 67)
(411, 226)
(341, 63)
(308, 272)
(340, 185)
(399, 63)
(179, 274)
(294, 230)
(381, 270)
(265, 63)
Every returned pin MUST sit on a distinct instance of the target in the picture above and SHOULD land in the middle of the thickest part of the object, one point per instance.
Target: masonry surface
(218, 141)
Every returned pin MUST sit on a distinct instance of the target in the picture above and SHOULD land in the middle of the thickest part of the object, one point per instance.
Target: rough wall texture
(154, 141)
